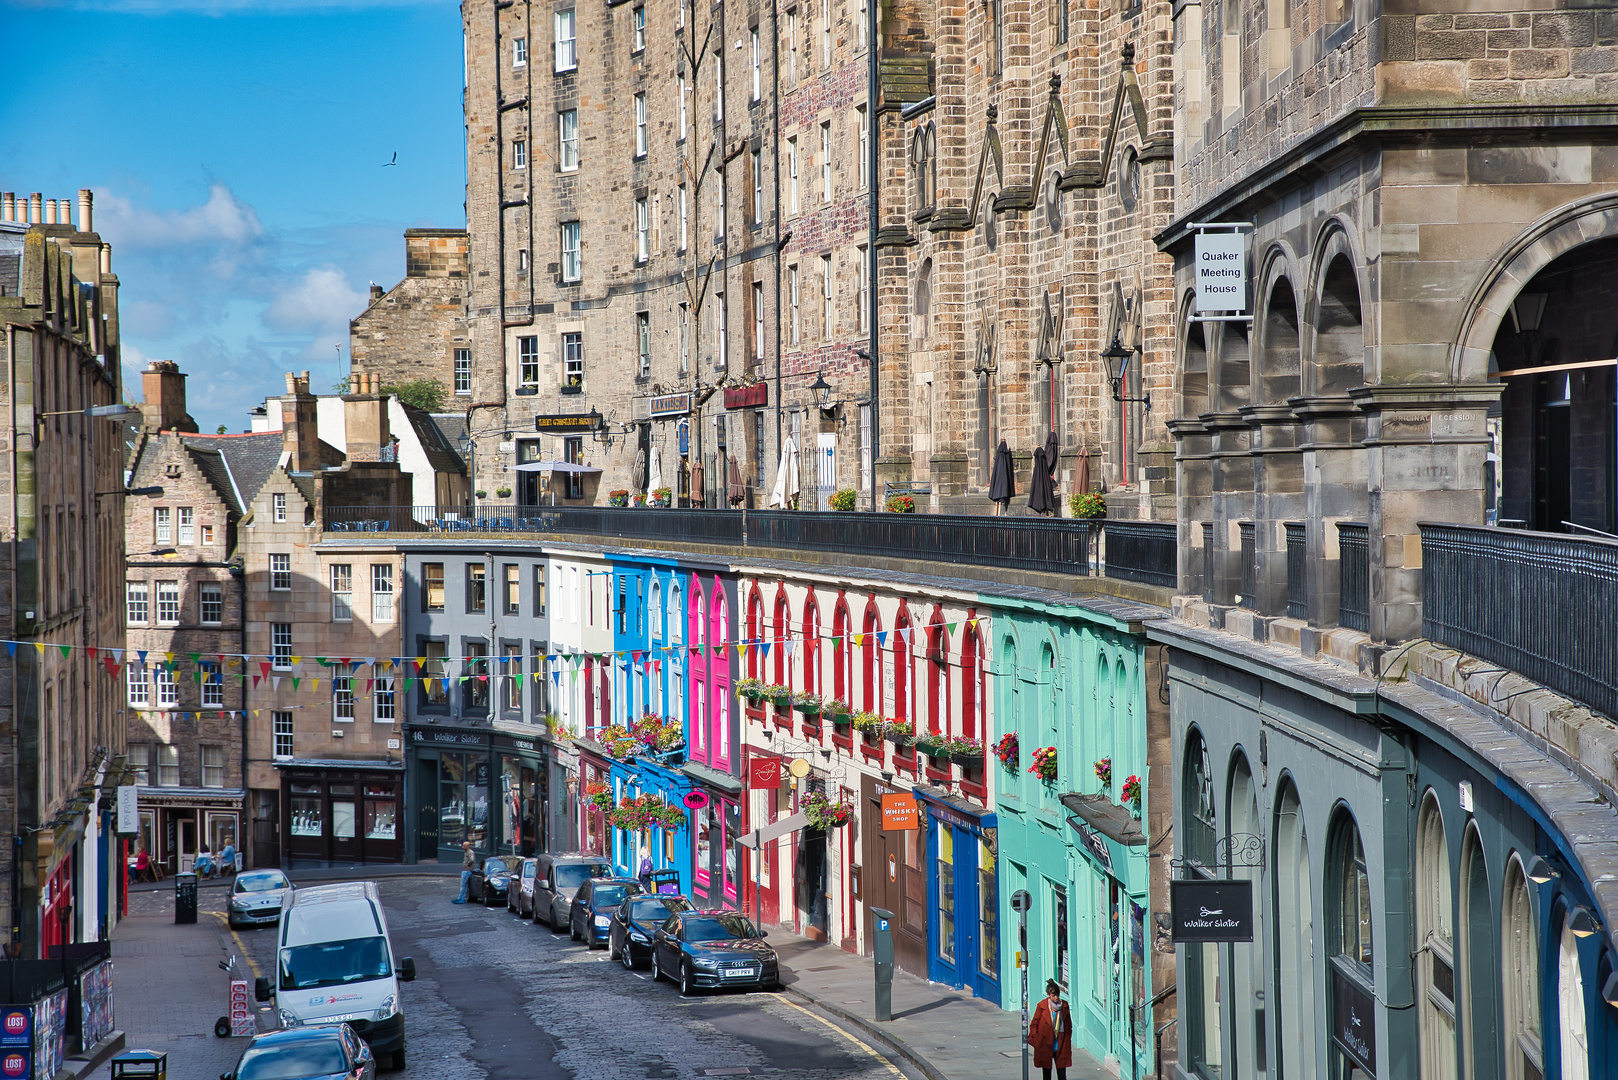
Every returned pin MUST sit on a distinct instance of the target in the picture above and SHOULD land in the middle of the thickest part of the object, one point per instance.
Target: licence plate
(741, 973)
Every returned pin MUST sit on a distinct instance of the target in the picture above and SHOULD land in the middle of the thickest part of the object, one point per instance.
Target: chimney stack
(86, 214)
(376, 292)
(163, 386)
(300, 426)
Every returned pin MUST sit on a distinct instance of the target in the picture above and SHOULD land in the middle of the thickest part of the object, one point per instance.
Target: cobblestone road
(502, 998)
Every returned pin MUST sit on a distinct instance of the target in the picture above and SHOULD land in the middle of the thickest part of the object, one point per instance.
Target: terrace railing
(1354, 576)
(1540, 604)
(1142, 551)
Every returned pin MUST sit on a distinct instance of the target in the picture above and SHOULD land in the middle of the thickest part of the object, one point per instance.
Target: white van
(334, 964)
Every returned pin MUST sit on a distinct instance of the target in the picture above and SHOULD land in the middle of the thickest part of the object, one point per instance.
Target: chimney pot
(86, 213)
(36, 208)
(8, 206)
(50, 211)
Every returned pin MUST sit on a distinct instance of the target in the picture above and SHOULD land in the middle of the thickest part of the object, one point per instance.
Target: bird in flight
(395, 160)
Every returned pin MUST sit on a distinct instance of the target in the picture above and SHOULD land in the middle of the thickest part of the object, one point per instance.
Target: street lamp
(1117, 358)
(94, 411)
(822, 391)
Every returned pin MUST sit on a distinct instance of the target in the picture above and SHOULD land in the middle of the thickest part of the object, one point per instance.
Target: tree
(428, 395)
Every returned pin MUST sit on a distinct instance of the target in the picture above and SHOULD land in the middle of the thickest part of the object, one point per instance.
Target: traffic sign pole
(1020, 903)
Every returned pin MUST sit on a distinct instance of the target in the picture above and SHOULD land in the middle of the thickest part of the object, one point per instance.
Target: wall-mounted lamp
(1540, 871)
(1117, 358)
(821, 389)
(105, 412)
(1583, 922)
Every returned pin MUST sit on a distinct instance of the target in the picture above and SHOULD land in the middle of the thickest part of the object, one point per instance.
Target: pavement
(946, 1034)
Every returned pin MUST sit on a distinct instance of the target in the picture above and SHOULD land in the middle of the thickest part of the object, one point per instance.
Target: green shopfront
(1072, 678)
(482, 785)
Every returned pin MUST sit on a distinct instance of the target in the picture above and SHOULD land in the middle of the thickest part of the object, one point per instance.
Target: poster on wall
(95, 997)
(16, 1042)
(50, 1033)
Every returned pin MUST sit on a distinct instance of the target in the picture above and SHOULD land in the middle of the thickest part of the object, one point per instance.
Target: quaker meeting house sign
(1211, 910)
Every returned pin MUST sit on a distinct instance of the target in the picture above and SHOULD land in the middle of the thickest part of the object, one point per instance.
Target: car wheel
(657, 971)
(573, 932)
(627, 955)
(613, 951)
(687, 987)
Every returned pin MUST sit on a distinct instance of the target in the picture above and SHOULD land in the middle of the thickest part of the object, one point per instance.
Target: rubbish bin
(185, 898)
(147, 1064)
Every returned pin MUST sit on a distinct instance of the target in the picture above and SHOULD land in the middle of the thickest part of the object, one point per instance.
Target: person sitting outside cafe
(204, 865)
(145, 868)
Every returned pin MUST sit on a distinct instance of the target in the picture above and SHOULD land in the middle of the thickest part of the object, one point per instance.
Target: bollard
(883, 947)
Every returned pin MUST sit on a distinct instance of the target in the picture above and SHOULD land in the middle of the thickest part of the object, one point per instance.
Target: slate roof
(438, 444)
(237, 464)
(10, 274)
(453, 427)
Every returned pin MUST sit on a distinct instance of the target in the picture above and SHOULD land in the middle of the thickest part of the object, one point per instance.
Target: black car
(306, 1053)
(629, 938)
(591, 914)
(491, 880)
(713, 948)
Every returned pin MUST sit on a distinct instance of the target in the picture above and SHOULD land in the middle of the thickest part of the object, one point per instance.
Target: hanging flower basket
(1044, 765)
(642, 812)
(1006, 750)
(618, 498)
(825, 814)
(598, 795)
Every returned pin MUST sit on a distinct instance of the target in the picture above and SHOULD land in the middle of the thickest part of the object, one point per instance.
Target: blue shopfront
(667, 848)
(963, 937)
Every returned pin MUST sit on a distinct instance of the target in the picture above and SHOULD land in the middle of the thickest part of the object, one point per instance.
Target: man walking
(469, 863)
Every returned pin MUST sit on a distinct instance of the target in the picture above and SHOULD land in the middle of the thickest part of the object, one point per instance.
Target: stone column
(1193, 464)
(1232, 499)
(1277, 499)
(1334, 483)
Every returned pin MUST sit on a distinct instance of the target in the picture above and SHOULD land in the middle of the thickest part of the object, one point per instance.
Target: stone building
(183, 606)
(1390, 673)
(62, 558)
(417, 329)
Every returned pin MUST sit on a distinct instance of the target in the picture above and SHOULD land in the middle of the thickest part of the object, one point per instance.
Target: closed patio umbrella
(1003, 481)
(786, 476)
(1041, 497)
(736, 491)
(655, 481)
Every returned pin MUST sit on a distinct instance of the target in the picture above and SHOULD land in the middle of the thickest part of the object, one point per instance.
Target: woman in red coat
(1050, 1033)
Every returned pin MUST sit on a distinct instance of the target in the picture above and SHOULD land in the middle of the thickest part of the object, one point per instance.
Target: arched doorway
(1554, 428)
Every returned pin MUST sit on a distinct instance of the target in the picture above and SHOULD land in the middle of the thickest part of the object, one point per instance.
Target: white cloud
(321, 301)
(224, 220)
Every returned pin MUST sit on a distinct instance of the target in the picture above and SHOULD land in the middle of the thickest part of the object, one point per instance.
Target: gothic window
(923, 325)
(923, 156)
(1047, 368)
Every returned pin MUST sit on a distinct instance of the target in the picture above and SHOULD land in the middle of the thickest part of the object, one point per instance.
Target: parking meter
(185, 898)
(883, 948)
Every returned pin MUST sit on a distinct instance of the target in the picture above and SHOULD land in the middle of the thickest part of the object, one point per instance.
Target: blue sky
(236, 154)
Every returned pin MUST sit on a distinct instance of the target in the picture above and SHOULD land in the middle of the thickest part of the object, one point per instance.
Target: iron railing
(1354, 576)
(1538, 603)
(1249, 597)
(1297, 571)
(1050, 545)
(1143, 551)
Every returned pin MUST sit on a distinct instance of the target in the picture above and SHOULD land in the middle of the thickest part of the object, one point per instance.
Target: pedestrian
(645, 874)
(469, 863)
(1050, 1033)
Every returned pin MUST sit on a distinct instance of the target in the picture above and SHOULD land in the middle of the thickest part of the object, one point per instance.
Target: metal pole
(1022, 962)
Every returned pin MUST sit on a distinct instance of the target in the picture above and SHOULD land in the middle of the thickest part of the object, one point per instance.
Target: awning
(766, 833)
(555, 466)
(1106, 817)
(713, 778)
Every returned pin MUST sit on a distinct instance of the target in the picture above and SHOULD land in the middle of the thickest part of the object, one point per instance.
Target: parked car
(629, 938)
(324, 1052)
(520, 889)
(713, 948)
(491, 880)
(256, 898)
(590, 915)
(556, 879)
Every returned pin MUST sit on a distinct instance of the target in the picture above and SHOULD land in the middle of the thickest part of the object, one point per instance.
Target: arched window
(811, 646)
(1246, 960)
(871, 656)
(901, 664)
(1570, 1007)
(971, 679)
(657, 611)
(1525, 1057)
(923, 154)
(1435, 935)
(721, 619)
(677, 614)
(923, 325)
(1353, 882)
(780, 630)
(1478, 961)
(699, 618)
(937, 674)
(842, 653)
(1295, 1017)
(755, 633)
(1201, 961)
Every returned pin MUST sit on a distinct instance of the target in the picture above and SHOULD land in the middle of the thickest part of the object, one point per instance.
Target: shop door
(811, 883)
(896, 881)
(187, 851)
(267, 831)
(345, 846)
(427, 809)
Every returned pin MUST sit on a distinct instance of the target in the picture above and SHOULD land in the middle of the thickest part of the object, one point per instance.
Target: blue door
(963, 934)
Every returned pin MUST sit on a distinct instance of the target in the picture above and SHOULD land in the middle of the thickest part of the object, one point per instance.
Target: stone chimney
(86, 211)
(300, 428)
(437, 253)
(365, 420)
(377, 292)
(163, 386)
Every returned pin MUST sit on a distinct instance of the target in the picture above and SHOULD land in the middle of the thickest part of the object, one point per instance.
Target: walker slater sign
(1221, 272)
(1211, 910)
(1353, 1020)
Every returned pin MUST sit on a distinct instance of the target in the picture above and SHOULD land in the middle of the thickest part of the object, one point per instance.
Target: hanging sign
(1221, 272)
(128, 809)
(1353, 1019)
(572, 424)
(1211, 910)
(670, 405)
(763, 773)
(899, 812)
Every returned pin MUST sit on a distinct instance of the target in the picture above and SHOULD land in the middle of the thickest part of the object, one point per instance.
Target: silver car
(256, 898)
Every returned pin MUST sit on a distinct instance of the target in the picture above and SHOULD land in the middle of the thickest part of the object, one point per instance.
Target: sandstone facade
(416, 329)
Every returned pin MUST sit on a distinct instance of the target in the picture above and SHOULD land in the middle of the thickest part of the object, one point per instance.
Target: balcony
(1135, 551)
(1540, 604)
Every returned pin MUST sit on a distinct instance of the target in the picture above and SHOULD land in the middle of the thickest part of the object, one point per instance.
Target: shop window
(1201, 961)
(342, 811)
(1520, 972)
(1059, 936)
(946, 892)
(988, 911)
(1296, 1015)
(380, 808)
(308, 810)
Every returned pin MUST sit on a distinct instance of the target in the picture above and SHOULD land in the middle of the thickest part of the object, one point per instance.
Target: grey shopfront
(489, 787)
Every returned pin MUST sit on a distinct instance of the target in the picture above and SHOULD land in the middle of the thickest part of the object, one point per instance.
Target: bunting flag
(295, 681)
(882, 639)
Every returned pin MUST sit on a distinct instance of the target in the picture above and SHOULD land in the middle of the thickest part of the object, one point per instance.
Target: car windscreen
(500, 866)
(295, 1062)
(333, 963)
(718, 927)
(608, 896)
(655, 911)
(572, 875)
(261, 882)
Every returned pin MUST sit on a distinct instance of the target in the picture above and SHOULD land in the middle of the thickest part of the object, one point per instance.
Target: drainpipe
(775, 159)
(15, 944)
(873, 160)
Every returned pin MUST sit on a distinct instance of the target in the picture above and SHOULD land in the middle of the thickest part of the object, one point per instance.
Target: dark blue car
(590, 919)
(629, 939)
(713, 949)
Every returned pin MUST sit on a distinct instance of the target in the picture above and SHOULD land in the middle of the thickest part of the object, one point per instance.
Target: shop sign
(899, 812)
(1221, 271)
(570, 424)
(671, 405)
(1094, 843)
(685, 437)
(128, 809)
(942, 811)
(448, 737)
(1211, 910)
(763, 773)
(742, 397)
(1353, 1019)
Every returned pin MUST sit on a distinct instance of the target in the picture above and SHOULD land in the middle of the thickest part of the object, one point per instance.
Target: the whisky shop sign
(572, 424)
